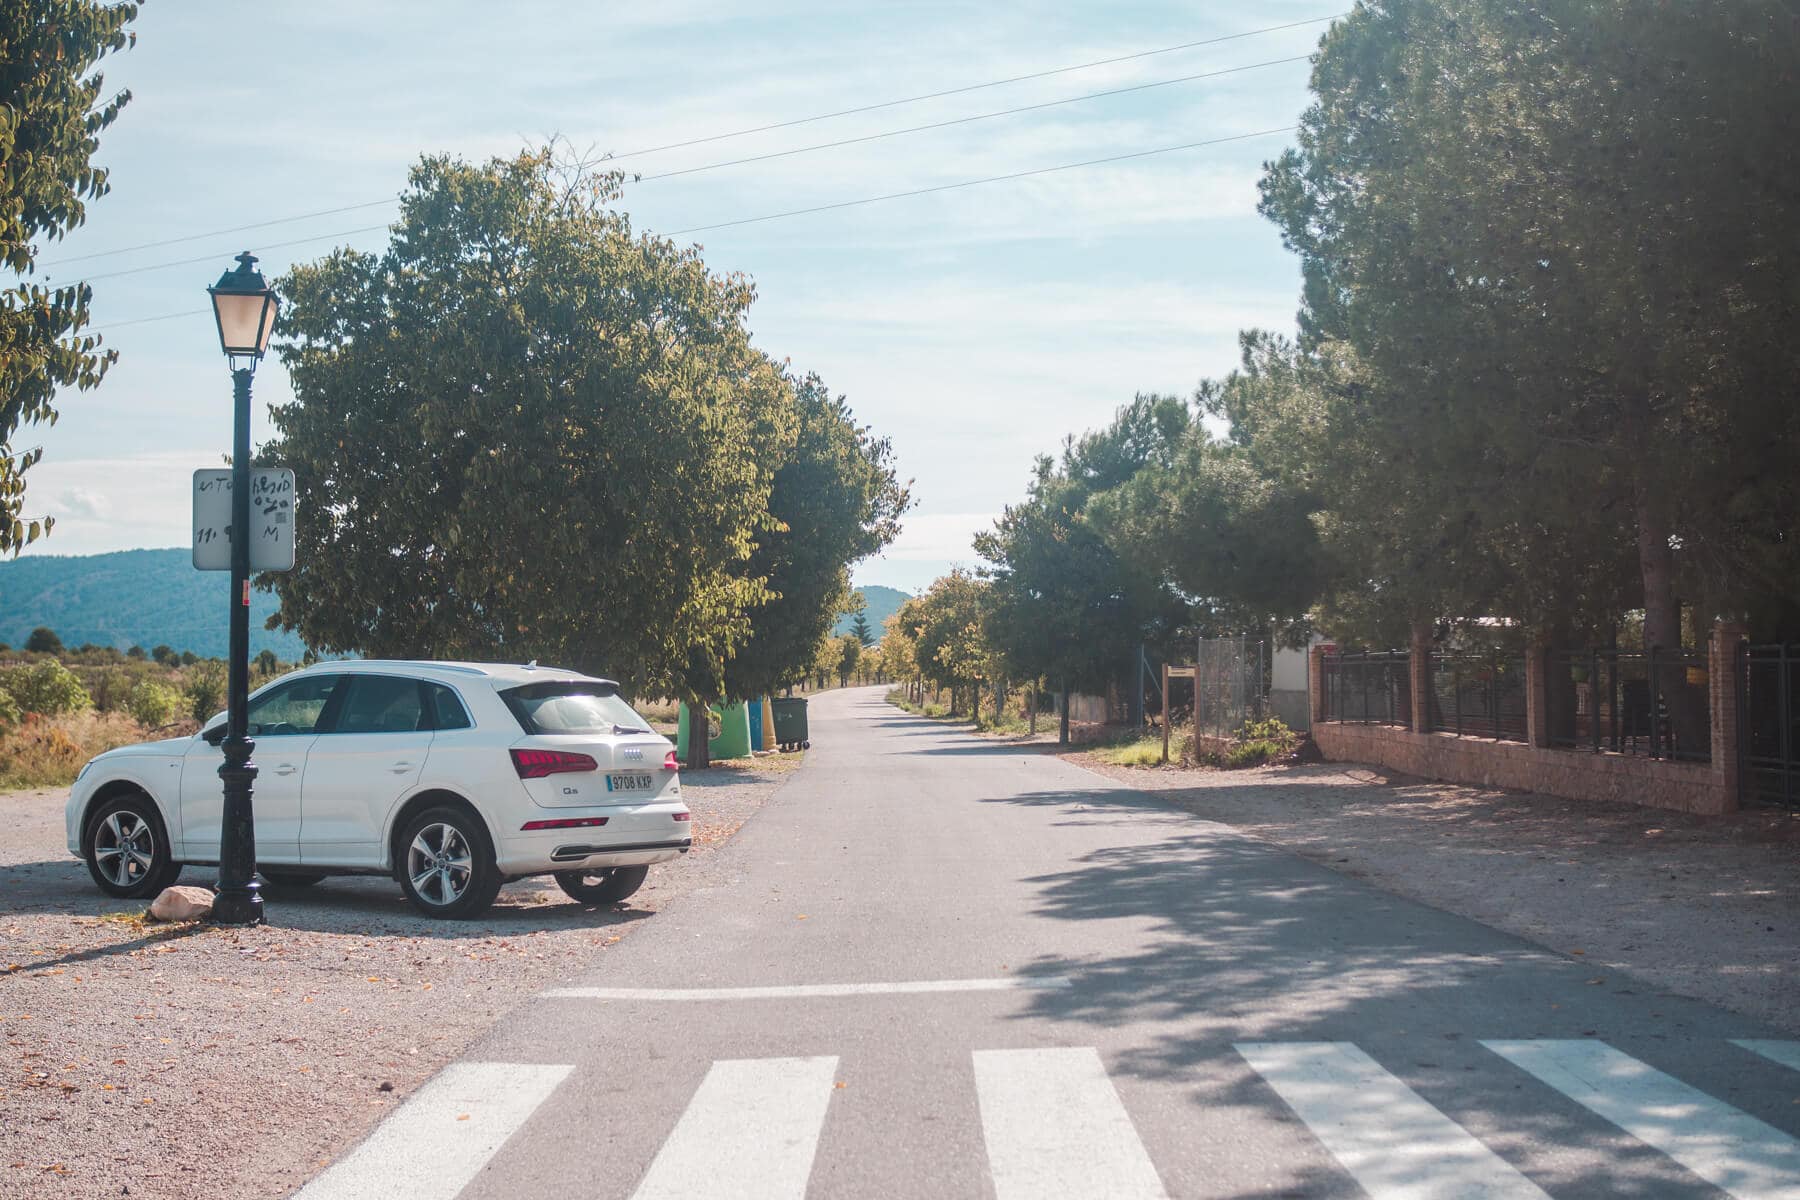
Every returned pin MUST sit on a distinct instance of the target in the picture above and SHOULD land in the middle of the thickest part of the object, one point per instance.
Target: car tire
(126, 847)
(445, 861)
(292, 879)
(602, 887)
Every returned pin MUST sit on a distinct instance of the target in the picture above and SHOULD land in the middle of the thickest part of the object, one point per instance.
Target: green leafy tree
(152, 704)
(859, 628)
(1065, 605)
(517, 342)
(267, 663)
(835, 501)
(136, 654)
(1550, 236)
(205, 689)
(43, 640)
(164, 655)
(952, 647)
(849, 654)
(47, 688)
(51, 117)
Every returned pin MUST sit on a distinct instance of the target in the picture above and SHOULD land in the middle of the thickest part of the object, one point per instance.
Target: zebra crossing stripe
(1055, 1128)
(436, 1142)
(1730, 1149)
(1391, 1140)
(1785, 1053)
(749, 1132)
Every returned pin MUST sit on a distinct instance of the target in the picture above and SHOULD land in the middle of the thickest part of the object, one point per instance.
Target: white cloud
(104, 504)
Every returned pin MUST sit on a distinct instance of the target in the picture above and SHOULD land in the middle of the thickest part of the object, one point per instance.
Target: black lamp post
(245, 308)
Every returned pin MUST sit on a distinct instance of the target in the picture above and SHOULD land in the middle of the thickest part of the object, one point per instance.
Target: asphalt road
(943, 967)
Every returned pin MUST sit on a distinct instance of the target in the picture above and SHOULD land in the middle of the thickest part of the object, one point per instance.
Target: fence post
(1418, 669)
(1315, 683)
(1165, 713)
(1537, 692)
(1723, 657)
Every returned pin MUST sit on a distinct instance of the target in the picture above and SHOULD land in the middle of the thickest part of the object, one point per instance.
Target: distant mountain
(133, 597)
(880, 603)
(155, 597)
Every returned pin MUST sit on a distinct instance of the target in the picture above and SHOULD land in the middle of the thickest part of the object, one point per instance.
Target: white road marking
(1728, 1148)
(1391, 1140)
(749, 1133)
(1785, 1053)
(1055, 1128)
(806, 991)
(443, 1135)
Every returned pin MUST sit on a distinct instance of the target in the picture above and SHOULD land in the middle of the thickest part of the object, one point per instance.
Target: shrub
(151, 704)
(205, 688)
(47, 688)
(48, 751)
(1262, 741)
(9, 711)
(110, 689)
(43, 640)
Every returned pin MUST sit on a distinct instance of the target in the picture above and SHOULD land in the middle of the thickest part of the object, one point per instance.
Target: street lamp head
(245, 308)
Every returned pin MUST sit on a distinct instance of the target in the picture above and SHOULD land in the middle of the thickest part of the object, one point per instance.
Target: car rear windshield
(572, 708)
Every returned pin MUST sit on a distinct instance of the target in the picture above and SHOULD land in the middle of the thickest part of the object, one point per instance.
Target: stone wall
(1535, 765)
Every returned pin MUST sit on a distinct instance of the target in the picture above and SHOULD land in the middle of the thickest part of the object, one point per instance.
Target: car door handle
(286, 769)
(400, 768)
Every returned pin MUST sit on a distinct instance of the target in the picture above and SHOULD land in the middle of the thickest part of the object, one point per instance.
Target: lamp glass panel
(240, 322)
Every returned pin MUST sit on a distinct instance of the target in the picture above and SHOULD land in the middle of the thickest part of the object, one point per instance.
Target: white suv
(452, 777)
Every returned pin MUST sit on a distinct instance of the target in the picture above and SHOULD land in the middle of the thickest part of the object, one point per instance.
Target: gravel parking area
(180, 1061)
(1700, 906)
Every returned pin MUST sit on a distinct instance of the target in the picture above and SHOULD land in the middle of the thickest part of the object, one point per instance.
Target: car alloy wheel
(124, 848)
(440, 864)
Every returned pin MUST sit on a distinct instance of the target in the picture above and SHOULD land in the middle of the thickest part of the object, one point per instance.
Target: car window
(446, 710)
(572, 708)
(293, 707)
(381, 704)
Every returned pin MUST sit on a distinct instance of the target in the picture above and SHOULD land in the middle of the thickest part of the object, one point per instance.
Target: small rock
(182, 904)
(385, 1086)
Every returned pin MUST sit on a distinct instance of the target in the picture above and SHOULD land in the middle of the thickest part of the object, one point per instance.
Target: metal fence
(1231, 685)
(1768, 680)
(1479, 695)
(1656, 704)
(1369, 689)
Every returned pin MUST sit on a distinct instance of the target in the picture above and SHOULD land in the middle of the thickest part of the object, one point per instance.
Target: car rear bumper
(630, 837)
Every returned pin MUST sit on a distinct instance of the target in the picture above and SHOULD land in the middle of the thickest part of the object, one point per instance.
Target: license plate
(629, 783)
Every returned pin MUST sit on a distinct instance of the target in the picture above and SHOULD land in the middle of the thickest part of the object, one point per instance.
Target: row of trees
(1544, 369)
(526, 432)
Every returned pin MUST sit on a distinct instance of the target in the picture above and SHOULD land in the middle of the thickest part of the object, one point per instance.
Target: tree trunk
(1656, 565)
(1062, 736)
(1034, 707)
(699, 747)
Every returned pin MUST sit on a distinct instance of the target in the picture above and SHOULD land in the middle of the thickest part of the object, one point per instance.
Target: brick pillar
(1419, 677)
(1537, 692)
(1315, 682)
(1722, 691)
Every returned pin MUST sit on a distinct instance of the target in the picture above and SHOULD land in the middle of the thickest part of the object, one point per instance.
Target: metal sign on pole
(271, 519)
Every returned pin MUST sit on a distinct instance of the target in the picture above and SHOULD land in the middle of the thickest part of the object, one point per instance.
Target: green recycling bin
(790, 723)
(729, 727)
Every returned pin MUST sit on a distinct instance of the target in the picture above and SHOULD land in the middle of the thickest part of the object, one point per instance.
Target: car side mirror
(215, 734)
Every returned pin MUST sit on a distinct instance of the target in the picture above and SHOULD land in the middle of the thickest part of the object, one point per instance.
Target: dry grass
(46, 752)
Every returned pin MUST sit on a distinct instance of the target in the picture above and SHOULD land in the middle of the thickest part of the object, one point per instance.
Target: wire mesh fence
(1369, 689)
(1231, 685)
(1769, 724)
(1657, 704)
(1479, 695)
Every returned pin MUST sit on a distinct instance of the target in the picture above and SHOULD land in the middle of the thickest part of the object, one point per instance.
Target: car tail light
(683, 816)
(670, 762)
(535, 764)
(563, 823)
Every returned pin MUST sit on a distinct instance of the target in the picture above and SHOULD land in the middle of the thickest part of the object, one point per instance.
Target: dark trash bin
(790, 723)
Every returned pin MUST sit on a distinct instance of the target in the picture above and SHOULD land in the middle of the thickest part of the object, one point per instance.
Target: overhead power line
(818, 208)
(737, 133)
(872, 137)
(988, 116)
(967, 183)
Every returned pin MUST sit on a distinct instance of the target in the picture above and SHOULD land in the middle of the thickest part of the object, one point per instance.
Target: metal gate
(1768, 680)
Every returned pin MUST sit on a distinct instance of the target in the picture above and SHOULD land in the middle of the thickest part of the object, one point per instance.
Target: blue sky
(975, 327)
